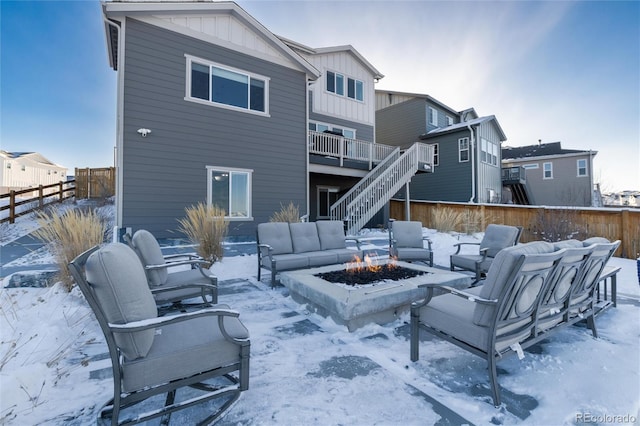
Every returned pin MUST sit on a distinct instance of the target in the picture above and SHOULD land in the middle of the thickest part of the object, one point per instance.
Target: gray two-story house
(467, 147)
(552, 175)
(212, 107)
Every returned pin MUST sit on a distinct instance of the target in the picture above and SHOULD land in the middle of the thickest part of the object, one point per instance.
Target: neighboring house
(554, 176)
(467, 147)
(23, 170)
(212, 107)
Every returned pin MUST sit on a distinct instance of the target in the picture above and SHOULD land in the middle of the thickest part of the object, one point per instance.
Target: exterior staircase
(368, 196)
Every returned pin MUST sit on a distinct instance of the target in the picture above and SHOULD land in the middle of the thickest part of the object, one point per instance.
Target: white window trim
(433, 116)
(187, 92)
(328, 189)
(449, 120)
(211, 169)
(460, 160)
(345, 86)
(436, 154)
(531, 166)
(544, 174)
(332, 126)
(586, 169)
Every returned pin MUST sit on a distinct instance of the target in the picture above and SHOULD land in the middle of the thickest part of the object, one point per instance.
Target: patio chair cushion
(454, 316)
(277, 235)
(408, 253)
(184, 349)
(469, 261)
(497, 237)
(148, 249)
(408, 234)
(331, 234)
(500, 271)
(304, 236)
(345, 255)
(121, 289)
(188, 276)
(287, 261)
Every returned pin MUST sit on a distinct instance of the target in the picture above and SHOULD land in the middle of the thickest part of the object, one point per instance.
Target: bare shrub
(206, 227)
(68, 234)
(557, 226)
(289, 213)
(446, 219)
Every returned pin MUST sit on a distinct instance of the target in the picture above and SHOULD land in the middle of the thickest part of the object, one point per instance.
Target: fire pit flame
(369, 264)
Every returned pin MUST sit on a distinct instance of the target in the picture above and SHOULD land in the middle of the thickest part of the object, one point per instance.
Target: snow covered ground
(306, 370)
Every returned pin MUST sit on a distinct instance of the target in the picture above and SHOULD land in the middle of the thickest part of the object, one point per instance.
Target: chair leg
(591, 323)
(414, 340)
(493, 379)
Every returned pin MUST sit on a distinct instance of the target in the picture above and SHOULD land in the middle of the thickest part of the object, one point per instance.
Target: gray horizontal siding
(451, 180)
(166, 172)
(401, 124)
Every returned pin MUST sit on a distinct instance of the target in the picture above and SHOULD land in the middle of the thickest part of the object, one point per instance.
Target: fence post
(60, 197)
(40, 196)
(12, 206)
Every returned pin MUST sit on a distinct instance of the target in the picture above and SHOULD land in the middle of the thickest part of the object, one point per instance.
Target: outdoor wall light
(144, 132)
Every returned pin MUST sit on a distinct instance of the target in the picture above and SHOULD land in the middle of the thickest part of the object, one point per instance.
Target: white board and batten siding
(330, 104)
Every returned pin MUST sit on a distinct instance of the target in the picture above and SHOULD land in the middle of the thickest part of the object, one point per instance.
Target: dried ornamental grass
(290, 214)
(206, 227)
(446, 219)
(69, 234)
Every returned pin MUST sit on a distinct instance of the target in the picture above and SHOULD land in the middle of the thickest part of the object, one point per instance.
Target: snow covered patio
(308, 370)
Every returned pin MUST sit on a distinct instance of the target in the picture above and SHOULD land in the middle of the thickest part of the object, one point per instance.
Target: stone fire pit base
(357, 306)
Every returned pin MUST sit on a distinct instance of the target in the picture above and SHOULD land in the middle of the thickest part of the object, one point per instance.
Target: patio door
(327, 195)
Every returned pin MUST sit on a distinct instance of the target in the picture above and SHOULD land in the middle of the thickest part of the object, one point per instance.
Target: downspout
(473, 164)
(119, 127)
(306, 143)
(591, 185)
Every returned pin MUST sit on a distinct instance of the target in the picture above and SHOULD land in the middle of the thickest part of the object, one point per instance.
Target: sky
(565, 71)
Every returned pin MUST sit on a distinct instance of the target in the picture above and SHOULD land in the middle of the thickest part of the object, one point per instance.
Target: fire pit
(357, 305)
(369, 272)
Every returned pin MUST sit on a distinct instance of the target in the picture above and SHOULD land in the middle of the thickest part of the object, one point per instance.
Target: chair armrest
(459, 246)
(356, 239)
(261, 250)
(483, 252)
(153, 323)
(189, 256)
(180, 263)
(203, 287)
(428, 242)
(456, 292)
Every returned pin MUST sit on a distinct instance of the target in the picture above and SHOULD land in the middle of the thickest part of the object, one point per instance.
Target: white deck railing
(368, 196)
(326, 144)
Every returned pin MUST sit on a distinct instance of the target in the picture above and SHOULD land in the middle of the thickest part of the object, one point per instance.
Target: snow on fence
(538, 222)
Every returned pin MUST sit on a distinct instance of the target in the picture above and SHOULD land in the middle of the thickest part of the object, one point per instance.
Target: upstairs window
(226, 87)
(230, 189)
(547, 170)
(355, 89)
(463, 150)
(436, 154)
(582, 167)
(488, 152)
(335, 83)
(449, 120)
(433, 116)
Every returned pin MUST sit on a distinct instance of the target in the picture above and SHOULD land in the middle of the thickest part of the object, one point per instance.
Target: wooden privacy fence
(95, 183)
(538, 222)
(18, 206)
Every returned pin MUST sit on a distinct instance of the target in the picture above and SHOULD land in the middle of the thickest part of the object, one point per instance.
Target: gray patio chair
(582, 299)
(407, 243)
(495, 319)
(205, 350)
(496, 238)
(177, 286)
